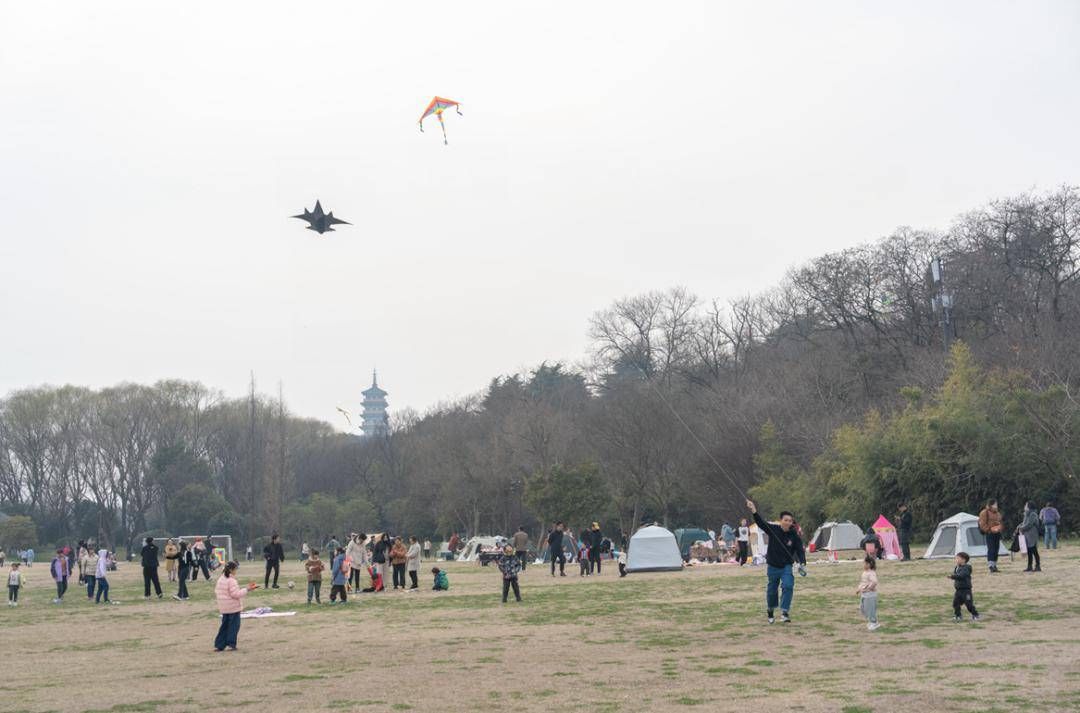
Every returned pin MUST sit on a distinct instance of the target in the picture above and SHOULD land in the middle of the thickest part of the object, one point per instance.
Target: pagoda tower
(376, 421)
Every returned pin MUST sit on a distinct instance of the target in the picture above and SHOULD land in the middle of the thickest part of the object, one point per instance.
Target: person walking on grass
(784, 552)
(356, 553)
(1029, 530)
(60, 572)
(314, 567)
(14, 584)
(521, 545)
(990, 525)
(962, 596)
(230, 602)
(1049, 516)
(555, 549)
(867, 592)
(185, 562)
(172, 551)
(274, 554)
(743, 541)
(596, 542)
(412, 564)
(89, 569)
(903, 532)
(149, 556)
(340, 577)
(101, 574)
(399, 555)
(510, 566)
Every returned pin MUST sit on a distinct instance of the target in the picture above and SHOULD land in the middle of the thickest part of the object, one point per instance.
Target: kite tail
(458, 110)
(443, 125)
(421, 127)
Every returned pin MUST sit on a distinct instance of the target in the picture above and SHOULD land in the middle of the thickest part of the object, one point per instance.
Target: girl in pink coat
(230, 600)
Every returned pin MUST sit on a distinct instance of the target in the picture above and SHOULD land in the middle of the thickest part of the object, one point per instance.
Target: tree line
(834, 389)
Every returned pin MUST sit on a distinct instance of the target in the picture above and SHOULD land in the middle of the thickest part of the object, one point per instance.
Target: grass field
(665, 641)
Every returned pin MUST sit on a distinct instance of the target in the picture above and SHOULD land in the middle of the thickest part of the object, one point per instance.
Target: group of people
(25, 557)
(591, 546)
(1034, 524)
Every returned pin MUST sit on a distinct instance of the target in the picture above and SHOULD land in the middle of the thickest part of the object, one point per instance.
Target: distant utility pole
(942, 303)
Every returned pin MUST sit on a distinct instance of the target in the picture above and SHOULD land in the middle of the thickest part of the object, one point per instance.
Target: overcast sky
(150, 155)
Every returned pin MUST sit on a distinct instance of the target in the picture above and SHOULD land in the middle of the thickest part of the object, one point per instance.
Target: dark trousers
(314, 588)
(414, 582)
(182, 591)
(560, 557)
(228, 631)
(13, 593)
(522, 555)
(993, 544)
(905, 547)
(200, 564)
(354, 579)
(744, 552)
(963, 597)
(622, 569)
(399, 575)
(102, 590)
(594, 561)
(90, 582)
(271, 566)
(338, 590)
(511, 582)
(1033, 552)
(61, 587)
(149, 574)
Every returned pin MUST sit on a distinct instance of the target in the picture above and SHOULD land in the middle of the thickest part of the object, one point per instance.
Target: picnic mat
(264, 613)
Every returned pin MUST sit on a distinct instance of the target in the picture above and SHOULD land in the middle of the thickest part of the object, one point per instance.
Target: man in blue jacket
(785, 550)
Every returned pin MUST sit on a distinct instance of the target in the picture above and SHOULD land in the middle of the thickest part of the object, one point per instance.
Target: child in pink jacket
(230, 600)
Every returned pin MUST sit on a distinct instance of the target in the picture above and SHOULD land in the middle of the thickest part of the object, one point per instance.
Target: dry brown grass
(648, 642)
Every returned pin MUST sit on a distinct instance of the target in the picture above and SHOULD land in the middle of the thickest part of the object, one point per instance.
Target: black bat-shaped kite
(320, 222)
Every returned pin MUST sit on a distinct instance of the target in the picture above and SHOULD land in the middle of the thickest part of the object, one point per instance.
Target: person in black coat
(273, 553)
(903, 531)
(596, 539)
(149, 568)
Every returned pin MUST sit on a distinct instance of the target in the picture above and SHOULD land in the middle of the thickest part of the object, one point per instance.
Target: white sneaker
(873, 626)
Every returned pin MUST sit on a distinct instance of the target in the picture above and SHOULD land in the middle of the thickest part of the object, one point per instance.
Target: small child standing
(341, 577)
(961, 578)
(510, 565)
(14, 583)
(622, 562)
(867, 592)
(442, 582)
(314, 567)
(583, 560)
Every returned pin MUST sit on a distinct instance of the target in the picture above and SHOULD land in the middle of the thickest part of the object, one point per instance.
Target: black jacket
(149, 556)
(555, 538)
(961, 577)
(785, 548)
(186, 559)
(274, 552)
(378, 552)
(904, 529)
(595, 539)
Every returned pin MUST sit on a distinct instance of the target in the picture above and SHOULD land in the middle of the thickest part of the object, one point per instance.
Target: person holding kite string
(785, 550)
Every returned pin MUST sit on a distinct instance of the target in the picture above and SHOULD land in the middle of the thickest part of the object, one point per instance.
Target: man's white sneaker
(873, 626)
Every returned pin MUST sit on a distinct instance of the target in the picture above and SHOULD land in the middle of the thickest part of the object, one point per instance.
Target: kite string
(723, 471)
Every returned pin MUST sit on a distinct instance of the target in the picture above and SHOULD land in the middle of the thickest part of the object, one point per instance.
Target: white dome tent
(960, 533)
(833, 536)
(653, 549)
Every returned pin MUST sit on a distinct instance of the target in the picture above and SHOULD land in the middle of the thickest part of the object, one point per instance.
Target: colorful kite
(437, 106)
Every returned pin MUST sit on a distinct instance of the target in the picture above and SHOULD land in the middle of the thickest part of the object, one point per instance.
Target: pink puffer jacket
(230, 595)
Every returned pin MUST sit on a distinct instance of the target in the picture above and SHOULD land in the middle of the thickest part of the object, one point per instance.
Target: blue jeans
(228, 631)
(90, 582)
(102, 590)
(1050, 538)
(779, 578)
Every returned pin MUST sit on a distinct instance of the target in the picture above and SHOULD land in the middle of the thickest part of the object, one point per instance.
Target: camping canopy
(890, 545)
(687, 536)
(471, 552)
(653, 549)
(960, 533)
(837, 536)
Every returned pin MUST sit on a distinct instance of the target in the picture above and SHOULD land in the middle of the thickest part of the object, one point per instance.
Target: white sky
(150, 155)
